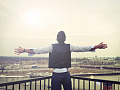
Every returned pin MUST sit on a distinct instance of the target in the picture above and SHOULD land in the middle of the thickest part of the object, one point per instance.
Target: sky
(35, 24)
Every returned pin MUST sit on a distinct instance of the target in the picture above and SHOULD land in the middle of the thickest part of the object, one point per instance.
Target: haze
(35, 24)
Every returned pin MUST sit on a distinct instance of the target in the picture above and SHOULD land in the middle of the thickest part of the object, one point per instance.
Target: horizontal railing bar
(97, 74)
(100, 80)
(23, 81)
(43, 78)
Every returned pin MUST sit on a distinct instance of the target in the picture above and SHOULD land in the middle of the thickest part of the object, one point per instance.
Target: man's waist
(60, 70)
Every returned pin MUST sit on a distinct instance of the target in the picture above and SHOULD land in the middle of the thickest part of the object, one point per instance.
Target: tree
(3, 65)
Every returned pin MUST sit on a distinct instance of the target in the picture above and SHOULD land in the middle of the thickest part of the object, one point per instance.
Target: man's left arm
(30, 52)
(99, 46)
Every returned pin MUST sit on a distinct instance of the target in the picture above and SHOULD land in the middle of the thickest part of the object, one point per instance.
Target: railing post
(89, 84)
(78, 84)
(19, 86)
(107, 86)
(100, 85)
(40, 84)
(25, 85)
(30, 86)
(83, 84)
(73, 84)
(114, 86)
(94, 85)
(35, 85)
(48, 84)
(13, 87)
(118, 86)
(6, 87)
(44, 84)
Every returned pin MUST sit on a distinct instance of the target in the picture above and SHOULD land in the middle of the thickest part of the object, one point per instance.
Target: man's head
(61, 37)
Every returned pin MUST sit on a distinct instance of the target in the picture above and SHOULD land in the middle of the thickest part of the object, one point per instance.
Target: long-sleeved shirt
(49, 49)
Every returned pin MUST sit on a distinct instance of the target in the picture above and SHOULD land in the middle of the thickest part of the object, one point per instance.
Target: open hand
(101, 46)
(19, 50)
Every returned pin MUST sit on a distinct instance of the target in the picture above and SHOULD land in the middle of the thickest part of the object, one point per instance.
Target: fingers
(105, 46)
(101, 43)
(17, 53)
(20, 47)
(18, 50)
(102, 46)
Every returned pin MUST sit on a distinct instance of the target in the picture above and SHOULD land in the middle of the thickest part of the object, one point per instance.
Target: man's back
(60, 56)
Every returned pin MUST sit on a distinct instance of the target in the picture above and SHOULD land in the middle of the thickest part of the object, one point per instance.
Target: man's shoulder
(57, 45)
(60, 44)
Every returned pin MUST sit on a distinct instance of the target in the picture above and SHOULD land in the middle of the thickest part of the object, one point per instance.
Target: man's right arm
(87, 48)
(23, 50)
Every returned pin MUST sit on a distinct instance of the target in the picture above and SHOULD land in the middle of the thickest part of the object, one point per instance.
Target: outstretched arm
(99, 46)
(43, 50)
(22, 50)
(87, 48)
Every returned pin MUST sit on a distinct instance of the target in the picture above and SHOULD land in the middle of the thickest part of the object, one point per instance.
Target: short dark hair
(61, 37)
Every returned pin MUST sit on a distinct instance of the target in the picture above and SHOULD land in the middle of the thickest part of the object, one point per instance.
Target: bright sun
(34, 17)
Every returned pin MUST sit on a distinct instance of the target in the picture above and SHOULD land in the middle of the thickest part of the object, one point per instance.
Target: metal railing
(82, 83)
(78, 83)
(42, 83)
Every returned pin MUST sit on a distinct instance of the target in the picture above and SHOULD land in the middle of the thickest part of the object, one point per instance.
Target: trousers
(59, 79)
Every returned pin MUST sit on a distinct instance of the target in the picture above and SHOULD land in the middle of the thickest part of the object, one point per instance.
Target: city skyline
(35, 24)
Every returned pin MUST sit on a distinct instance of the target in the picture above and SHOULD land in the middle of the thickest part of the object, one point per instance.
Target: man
(60, 59)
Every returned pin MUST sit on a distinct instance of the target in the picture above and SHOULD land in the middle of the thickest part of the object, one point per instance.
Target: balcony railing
(42, 83)
(78, 83)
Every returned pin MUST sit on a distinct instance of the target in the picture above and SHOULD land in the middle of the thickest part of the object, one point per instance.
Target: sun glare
(34, 18)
